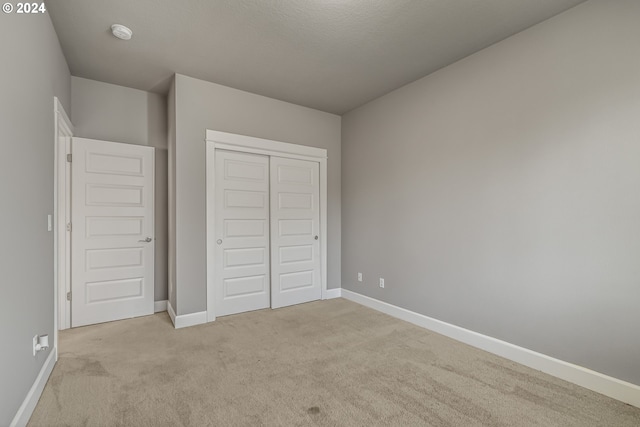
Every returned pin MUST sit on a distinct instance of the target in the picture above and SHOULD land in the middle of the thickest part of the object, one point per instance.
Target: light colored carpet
(331, 363)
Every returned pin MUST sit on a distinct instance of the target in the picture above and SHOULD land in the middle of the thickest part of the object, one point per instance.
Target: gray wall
(202, 105)
(121, 114)
(501, 193)
(33, 71)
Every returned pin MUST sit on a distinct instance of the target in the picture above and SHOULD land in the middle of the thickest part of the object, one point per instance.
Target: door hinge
(69, 157)
(68, 226)
(68, 296)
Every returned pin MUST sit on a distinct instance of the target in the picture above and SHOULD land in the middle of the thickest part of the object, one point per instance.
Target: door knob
(219, 241)
(147, 240)
(316, 237)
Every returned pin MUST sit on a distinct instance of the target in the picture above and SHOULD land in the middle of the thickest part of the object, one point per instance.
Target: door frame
(249, 144)
(63, 132)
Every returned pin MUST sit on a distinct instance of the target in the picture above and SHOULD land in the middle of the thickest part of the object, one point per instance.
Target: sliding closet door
(295, 231)
(242, 232)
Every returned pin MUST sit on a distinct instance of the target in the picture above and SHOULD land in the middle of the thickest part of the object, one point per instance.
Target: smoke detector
(121, 32)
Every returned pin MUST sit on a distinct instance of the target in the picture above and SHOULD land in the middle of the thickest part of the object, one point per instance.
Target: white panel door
(295, 231)
(112, 235)
(242, 232)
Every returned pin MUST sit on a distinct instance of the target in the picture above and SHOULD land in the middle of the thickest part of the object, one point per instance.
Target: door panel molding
(247, 144)
(112, 237)
(242, 267)
(294, 227)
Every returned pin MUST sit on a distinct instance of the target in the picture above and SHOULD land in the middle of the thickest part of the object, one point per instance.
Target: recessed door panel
(241, 170)
(295, 201)
(295, 227)
(112, 214)
(113, 226)
(242, 262)
(114, 290)
(114, 164)
(292, 174)
(114, 195)
(245, 286)
(245, 257)
(296, 280)
(296, 253)
(245, 199)
(109, 258)
(234, 228)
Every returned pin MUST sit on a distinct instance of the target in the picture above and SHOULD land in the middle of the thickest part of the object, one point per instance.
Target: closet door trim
(248, 144)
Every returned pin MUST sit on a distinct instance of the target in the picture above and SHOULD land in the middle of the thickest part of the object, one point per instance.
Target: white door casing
(62, 202)
(242, 232)
(295, 232)
(112, 231)
(216, 140)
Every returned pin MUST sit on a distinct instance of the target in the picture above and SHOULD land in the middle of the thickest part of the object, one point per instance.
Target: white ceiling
(332, 55)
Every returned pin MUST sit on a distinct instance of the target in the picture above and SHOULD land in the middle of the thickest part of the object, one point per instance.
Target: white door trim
(249, 144)
(61, 197)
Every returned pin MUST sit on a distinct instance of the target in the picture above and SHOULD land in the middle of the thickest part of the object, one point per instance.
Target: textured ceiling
(332, 55)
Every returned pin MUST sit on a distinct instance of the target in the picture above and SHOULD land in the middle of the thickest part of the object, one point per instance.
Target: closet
(266, 224)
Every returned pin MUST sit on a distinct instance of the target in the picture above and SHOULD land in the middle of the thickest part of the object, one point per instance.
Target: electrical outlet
(40, 342)
(381, 282)
(359, 277)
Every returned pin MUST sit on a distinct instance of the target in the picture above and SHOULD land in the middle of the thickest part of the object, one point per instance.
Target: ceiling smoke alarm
(121, 32)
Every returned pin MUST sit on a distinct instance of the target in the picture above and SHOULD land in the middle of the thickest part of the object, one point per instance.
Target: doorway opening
(104, 228)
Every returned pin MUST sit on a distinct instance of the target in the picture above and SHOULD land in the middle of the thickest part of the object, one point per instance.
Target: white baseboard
(172, 313)
(186, 320)
(159, 306)
(29, 404)
(191, 319)
(592, 380)
(333, 293)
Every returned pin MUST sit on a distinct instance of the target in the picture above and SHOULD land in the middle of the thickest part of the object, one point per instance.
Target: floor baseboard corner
(186, 320)
(29, 404)
(595, 381)
(333, 293)
(172, 313)
(160, 306)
